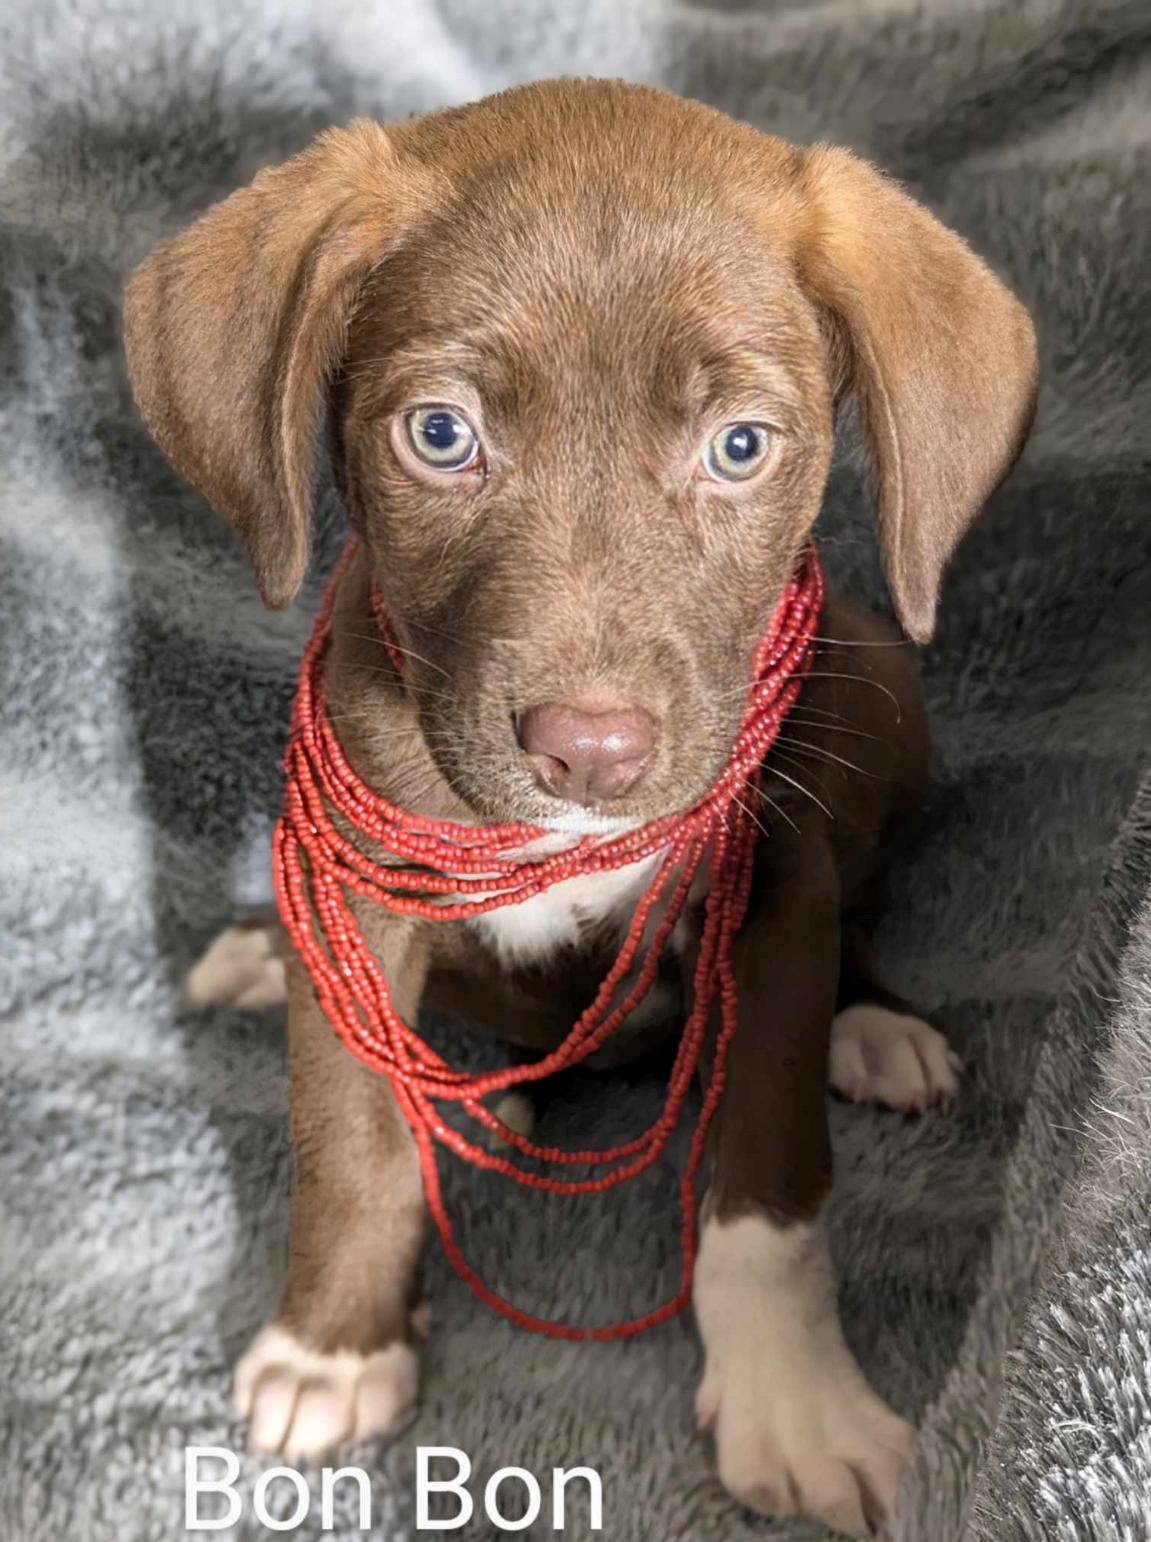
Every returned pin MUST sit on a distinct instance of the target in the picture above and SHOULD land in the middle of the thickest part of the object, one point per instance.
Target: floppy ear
(940, 356)
(232, 328)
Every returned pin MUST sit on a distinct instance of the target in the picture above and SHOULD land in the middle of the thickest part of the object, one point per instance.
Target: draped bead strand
(456, 871)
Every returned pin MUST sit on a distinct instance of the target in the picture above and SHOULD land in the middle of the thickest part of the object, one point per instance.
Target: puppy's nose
(586, 756)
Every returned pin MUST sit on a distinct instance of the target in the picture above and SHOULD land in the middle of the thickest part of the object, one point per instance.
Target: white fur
(302, 1404)
(891, 1057)
(798, 1429)
(539, 927)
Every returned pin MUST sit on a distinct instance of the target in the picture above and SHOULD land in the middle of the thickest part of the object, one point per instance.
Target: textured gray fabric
(143, 1154)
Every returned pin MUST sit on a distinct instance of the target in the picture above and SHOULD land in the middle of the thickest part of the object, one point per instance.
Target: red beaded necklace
(466, 870)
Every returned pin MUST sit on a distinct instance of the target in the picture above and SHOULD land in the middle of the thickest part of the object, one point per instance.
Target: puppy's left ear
(940, 356)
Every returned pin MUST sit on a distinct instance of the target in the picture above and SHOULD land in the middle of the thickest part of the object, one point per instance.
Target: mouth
(511, 796)
(524, 803)
(575, 819)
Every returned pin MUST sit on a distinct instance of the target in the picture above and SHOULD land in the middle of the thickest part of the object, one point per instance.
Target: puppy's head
(580, 346)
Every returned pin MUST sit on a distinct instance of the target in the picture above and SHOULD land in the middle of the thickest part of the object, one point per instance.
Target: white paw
(518, 1112)
(892, 1058)
(798, 1430)
(242, 967)
(301, 1404)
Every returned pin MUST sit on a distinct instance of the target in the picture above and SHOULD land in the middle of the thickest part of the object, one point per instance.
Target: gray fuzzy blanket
(143, 1156)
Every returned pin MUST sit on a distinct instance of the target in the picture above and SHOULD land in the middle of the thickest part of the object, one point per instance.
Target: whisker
(395, 647)
(368, 637)
(412, 725)
(815, 749)
(406, 685)
(860, 642)
(437, 631)
(827, 674)
(775, 771)
(837, 728)
(383, 731)
(783, 814)
(409, 731)
(739, 803)
(809, 706)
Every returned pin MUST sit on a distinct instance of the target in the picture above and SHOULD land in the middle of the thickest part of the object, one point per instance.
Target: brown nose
(585, 756)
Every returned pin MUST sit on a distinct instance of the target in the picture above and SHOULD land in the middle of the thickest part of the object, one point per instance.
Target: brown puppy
(579, 346)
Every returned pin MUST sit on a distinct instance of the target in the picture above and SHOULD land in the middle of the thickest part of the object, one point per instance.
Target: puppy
(578, 349)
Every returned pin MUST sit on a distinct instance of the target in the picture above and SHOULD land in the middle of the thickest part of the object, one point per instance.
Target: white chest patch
(529, 933)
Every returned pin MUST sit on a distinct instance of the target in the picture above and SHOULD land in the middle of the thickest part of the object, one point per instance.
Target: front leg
(797, 1427)
(338, 1361)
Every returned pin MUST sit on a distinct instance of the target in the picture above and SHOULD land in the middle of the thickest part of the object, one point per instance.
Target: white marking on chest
(560, 916)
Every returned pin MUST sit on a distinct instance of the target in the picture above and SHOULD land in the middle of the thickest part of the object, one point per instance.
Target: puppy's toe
(301, 1404)
(820, 1444)
(892, 1058)
(242, 968)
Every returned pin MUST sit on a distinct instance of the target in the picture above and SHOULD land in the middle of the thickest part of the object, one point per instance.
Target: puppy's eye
(737, 452)
(442, 438)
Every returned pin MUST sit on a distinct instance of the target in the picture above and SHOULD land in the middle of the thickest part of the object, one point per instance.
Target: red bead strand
(468, 870)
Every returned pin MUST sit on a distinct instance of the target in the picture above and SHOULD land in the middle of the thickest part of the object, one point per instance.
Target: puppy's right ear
(232, 328)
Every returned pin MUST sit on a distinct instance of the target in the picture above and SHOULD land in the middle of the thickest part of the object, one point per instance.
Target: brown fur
(600, 275)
